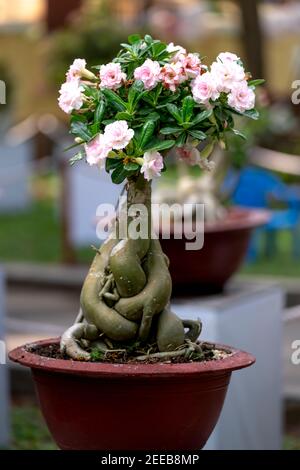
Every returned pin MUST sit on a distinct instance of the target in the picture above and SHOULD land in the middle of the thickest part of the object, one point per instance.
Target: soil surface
(205, 352)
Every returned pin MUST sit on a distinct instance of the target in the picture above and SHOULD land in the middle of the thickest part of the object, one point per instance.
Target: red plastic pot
(206, 271)
(96, 406)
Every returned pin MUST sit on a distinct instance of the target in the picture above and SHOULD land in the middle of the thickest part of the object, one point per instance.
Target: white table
(248, 317)
(4, 389)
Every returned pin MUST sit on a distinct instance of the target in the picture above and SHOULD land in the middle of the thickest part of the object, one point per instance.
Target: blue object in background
(256, 188)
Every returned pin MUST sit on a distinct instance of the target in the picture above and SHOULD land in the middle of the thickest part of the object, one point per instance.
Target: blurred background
(48, 209)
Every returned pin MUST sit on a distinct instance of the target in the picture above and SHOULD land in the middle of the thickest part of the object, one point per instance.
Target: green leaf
(252, 114)
(136, 92)
(122, 116)
(157, 49)
(258, 82)
(146, 134)
(80, 129)
(131, 166)
(126, 46)
(105, 122)
(112, 163)
(153, 117)
(94, 129)
(119, 174)
(239, 134)
(114, 99)
(133, 38)
(79, 156)
(159, 145)
(148, 39)
(199, 135)
(202, 116)
(187, 108)
(174, 111)
(170, 130)
(99, 112)
(181, 140)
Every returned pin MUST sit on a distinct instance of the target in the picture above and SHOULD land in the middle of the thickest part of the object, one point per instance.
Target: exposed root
(185, 351)
(70, 345)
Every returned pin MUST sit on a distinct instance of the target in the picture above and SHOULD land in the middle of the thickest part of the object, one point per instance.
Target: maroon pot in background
(96, 406)
(206, 271)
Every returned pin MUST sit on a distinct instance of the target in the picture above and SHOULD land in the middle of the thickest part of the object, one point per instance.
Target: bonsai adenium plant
(126, 116)
(128, 361)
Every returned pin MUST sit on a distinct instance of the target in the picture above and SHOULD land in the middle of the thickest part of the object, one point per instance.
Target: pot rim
(237, 360)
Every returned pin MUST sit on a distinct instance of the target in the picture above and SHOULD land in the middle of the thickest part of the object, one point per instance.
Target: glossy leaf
(80, 129)
(239, 134)
(133, 38)
(170, 130)
(202, 116)
(119, 174)
(199, 135)
(114, 99)
(99, 112)
(188, 105)
(160, 145)
(174, 111)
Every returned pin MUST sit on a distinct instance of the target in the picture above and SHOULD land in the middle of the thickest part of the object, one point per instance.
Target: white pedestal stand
(248, 317)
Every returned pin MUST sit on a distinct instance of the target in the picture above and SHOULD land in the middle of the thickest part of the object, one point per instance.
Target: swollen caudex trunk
(127, 291)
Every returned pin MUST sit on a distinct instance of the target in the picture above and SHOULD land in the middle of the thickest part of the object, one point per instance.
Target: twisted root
(126, 294)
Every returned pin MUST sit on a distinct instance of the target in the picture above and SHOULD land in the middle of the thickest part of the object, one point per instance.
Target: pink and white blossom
(191, 64)
(111, 76)
(97, 150)
(241, 98)
(205, 88)
(148, 73)
(71, 96)
(152, 166)
(227, 57)
(189, 154)
(118, 135)
(172, 75)
(77, 69)
(227, 74)
(176, 51)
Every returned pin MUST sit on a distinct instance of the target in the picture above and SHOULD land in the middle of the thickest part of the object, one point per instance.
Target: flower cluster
(226, 75)
(153, 97)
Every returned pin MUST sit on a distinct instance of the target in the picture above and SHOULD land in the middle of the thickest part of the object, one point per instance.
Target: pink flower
(70, 96)
(189, 155)
(241, 98)
(205, 88)
(118, 135)
(76, 70)
(153, 164)
(148, 73)
(97, 150)
(176, 51)
(172, 75)
(227, 73)
(191, 64)
(111, 76)
(228, 57)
